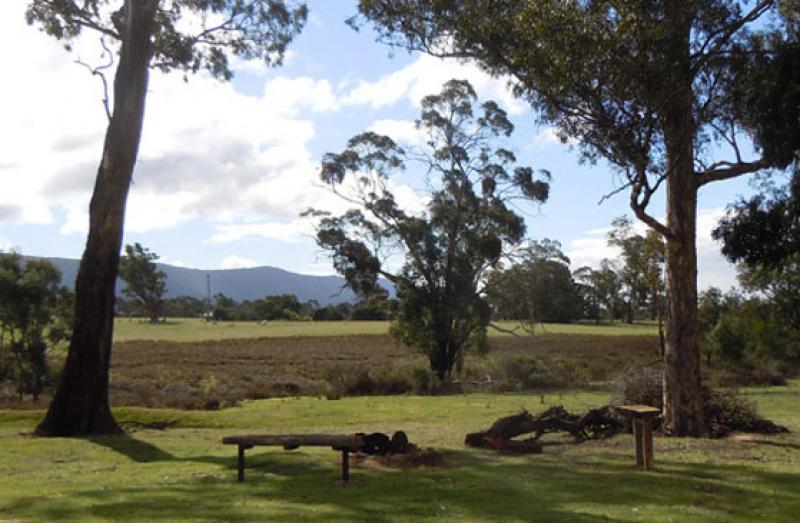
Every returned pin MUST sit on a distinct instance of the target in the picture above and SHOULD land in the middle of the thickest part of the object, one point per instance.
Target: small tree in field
(464, 228)
(143, 34)
(144, 282)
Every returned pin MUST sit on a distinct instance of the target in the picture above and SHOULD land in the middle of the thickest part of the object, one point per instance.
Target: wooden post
(241, 463)
(647, 443)
(637, 438)
(642, 422)
(345, 465)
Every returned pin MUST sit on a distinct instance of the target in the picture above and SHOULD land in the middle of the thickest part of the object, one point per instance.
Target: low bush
(349, 380)
(725, 410)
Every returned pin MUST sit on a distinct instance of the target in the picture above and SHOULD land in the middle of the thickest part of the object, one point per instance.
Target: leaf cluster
(464, 227)
(189, 35)
(34, 315)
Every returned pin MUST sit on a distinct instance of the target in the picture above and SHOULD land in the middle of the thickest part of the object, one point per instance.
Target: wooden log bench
(339, 442)
(642, 418)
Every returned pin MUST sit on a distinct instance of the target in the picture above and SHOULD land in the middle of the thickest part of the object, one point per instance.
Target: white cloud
(290, 232)
(208, 152)
(174, 262)
(425, 76)
(713, 268)
(590, 250)
(238, 262)
(6, 246)
(403, 131)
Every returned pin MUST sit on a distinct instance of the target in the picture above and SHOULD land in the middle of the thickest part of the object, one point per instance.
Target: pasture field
(208, 374)
(192, 330)
(171, 466)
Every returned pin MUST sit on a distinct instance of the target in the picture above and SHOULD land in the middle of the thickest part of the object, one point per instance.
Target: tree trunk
(80, 405)
(682, 388)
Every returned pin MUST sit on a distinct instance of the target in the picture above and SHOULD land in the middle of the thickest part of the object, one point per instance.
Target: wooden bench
(339, 442)
(642, 418)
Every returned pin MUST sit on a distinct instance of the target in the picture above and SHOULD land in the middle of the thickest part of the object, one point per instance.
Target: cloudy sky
(225, 168)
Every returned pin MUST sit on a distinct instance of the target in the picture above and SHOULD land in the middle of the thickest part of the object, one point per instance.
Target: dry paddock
(211, 374)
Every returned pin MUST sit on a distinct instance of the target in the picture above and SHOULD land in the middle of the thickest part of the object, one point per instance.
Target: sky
(225, 169)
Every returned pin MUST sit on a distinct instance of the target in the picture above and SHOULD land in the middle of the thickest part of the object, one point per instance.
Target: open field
(189, 329)
(184, 473)
(208, 374)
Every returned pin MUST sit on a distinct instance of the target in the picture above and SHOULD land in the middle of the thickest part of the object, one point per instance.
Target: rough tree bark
(80, 405)
(682, 386)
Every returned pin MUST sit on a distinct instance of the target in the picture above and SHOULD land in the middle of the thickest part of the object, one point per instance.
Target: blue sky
(225, 169)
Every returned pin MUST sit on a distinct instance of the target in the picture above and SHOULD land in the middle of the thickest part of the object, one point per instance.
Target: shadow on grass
(132, 448)
(774, 443)
(477, 486)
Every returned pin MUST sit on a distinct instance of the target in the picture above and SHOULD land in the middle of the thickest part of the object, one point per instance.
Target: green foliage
(642, 266)
(604, 74)
(537, 288)
(764, 230)
(250, 29)
(143, 281)
(729, 338)
(34, 316)
(279, 307)
(463, 230)
(600, 290)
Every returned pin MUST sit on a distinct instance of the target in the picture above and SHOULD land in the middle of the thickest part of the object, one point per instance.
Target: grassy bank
(184, 473)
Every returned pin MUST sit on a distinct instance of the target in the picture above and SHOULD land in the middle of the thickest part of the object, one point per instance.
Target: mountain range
(239, 284)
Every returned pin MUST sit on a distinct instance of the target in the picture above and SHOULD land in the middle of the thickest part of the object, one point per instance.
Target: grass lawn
(184, 473)
(191, 330)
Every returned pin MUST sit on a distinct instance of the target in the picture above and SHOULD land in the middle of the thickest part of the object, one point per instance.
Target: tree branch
(723, 36)
(98, 71)
(639, 202)
(726, 170)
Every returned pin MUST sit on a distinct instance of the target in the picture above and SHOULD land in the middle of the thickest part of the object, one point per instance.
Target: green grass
(192, 330)
(184, 473)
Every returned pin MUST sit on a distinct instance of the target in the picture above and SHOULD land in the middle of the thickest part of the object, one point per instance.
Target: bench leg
(647, 443)
(345, 465)
(241, 463)
(638, 430)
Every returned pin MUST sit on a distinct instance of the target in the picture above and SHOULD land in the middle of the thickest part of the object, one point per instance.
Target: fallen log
(595, 424)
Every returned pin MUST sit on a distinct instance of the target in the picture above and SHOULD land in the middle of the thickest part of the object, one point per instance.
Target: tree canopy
(465, 227)
(188, 35)
(33, 317)
(143, 280)
(652, 87)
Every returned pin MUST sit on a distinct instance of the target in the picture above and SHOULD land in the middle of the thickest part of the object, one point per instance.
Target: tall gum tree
(142, 34)
(466, 224)
(651, 86)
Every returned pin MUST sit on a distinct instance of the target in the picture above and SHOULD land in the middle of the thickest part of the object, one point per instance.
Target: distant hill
(239, 284)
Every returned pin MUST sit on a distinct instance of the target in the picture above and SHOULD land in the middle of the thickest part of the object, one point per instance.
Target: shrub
(725, 410)
(640, 385)
(350, 380)
(528, 372)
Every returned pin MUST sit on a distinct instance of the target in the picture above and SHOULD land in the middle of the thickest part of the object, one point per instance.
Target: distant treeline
(280, 307)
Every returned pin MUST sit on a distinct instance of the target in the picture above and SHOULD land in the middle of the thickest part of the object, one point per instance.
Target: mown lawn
(184, 473)
(192, 330)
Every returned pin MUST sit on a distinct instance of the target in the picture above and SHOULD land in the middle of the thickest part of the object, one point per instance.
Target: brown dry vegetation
(212, 374)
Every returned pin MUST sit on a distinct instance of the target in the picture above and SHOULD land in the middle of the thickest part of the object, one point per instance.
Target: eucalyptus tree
(144, 282)
(31, 319)
(442, 252)
(762, 234)
(537, 288)
(183, 35)
(659, 89)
